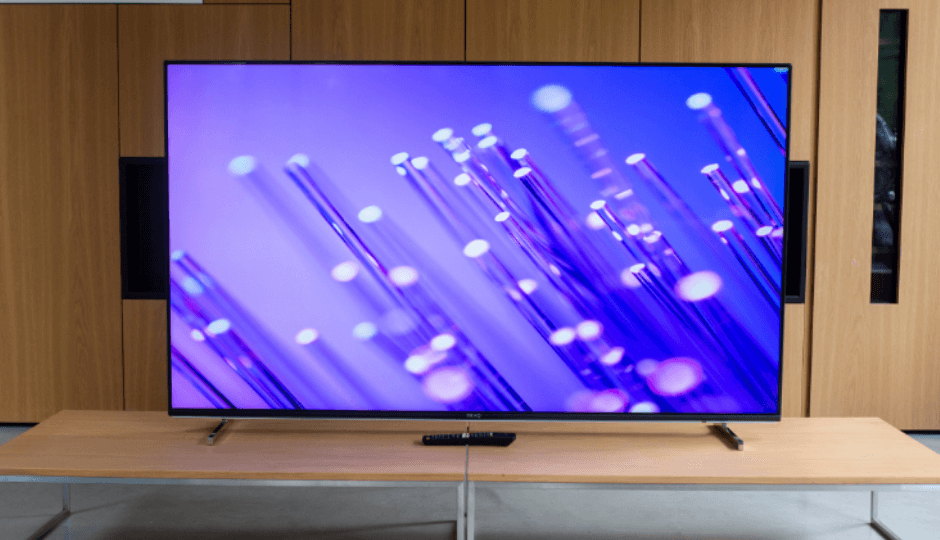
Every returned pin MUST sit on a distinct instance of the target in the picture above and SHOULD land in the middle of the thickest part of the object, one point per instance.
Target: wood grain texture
(145, 355)
(868, 358)
(150, 34)
(753, 31)
(795, 451)
(60, 282)
(377, 30)
(558, 31)
(246, 1)
(153, 445)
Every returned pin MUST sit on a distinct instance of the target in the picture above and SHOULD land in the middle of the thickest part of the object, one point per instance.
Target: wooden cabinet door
(377, 30)
(60, 280)
(876, 359)
(558, 31)
(742, 31)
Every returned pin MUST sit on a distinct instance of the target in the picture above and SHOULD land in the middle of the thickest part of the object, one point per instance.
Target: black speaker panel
(794, 286)
(145, 243)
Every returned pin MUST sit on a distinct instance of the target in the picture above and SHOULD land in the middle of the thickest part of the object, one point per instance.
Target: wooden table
(796, 454)
(802, 454)
(152, 448)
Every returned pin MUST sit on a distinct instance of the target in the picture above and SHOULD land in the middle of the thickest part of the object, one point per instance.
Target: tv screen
(526, 241)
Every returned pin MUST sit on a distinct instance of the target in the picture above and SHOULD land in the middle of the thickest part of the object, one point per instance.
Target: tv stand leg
(215, 432)
(876, 524)
(56, 519)
(723, 431)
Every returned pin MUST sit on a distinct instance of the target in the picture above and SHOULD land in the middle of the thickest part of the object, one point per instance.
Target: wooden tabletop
(793, 451)
(116, 444)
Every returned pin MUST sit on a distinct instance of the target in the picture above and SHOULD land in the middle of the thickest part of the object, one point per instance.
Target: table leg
(462, 511)
(876, 524)
(471, 509)
(56, 519)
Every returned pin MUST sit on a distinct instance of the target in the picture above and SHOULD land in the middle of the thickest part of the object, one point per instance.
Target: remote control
(483, 438)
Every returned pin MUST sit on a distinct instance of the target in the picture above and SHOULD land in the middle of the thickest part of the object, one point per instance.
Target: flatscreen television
(476, 241)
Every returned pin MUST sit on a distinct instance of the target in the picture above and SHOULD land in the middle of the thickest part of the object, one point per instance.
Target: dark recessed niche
(145, 242)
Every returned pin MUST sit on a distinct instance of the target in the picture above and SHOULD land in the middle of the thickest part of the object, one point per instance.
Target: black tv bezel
(476, 415)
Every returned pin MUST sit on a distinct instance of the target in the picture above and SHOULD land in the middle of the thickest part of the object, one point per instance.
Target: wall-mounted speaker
(145, 243)
(794, 285)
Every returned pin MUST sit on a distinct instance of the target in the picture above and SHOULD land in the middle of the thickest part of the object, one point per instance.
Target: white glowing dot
(487, 142)
(345, 271)
(645, 407)
(562, 336)
(653, 237)
(502, 216)
(551, 98)
(635, 158)
(554, 269)
(417, 364)
(698, 101)
(722, 226)
(617, 236)
(756, 183)
(710, 168)
(299, 159)
(364, 331)
(442, 134)
(646, 367)
(724, 195)
(741, 186)
(403, 276)
(443, 342)
(370, 214)
(519, 154)
(765, 230)
(420, 163)
(460, 157)
(589, 330)
(740, 152)
(242, 165)
(476, 248)
(629, 280)
(177, 255)
(613, 356)
(778, 233)
(594, 221)
(306, 336)
(646, 227)
(675, 376)
(598, 204)
(192, 286)
(623, 194)
(481, 129)
(504, 194)
(528, 285)
(399, 158)
(447, 384)
(633, 229)
(609, 401)
(218, 326)
(637, 268)
(698, 286)
(522, 171)
(197, 335)
(401, 170)
(462, 179)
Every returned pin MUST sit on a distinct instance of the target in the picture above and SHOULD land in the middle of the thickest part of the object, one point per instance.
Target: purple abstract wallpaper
(546, 239)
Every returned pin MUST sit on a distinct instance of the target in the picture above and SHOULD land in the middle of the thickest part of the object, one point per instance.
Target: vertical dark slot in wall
(794, 288)
(144, 225)
(889, 131)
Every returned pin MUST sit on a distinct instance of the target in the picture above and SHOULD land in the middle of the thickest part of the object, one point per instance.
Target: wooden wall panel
(246, 1)
(150, 34)
(876, 359)
(60, 282)
(377, 30)
(560, 31)
(145, 355)
(755, 31)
